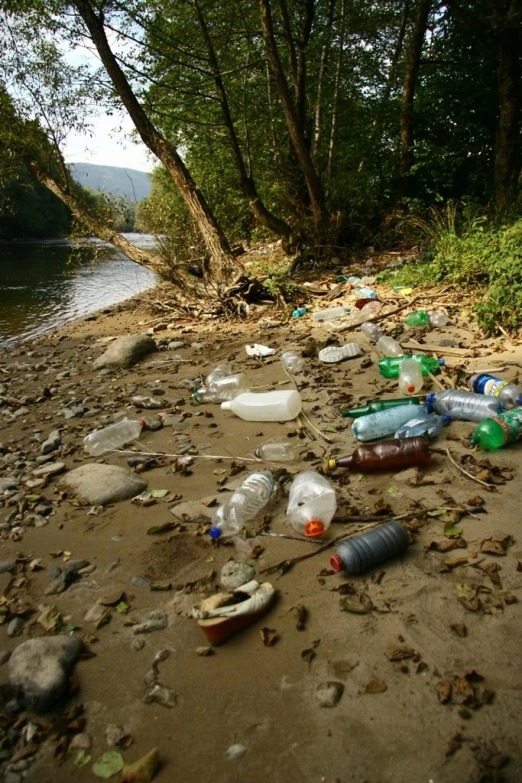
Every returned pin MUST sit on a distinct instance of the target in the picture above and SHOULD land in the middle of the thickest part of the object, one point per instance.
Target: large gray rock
(99, 485)
(41, 668)
(126, 351)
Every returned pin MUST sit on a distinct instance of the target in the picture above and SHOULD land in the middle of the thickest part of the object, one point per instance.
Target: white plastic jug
(280, 405)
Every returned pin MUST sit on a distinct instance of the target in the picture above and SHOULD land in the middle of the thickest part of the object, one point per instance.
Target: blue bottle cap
(214, 533)
(519, 401)
(429, 402)
(441, 362)
(446, 419)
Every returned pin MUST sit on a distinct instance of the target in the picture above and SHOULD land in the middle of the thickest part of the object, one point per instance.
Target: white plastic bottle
(246, 501)
(410, 376)
(280, 405)
(311, 504)
(383, 423)
(111, 437)
(222, 389)
(389, 347)
(372, 331)
(292, 362)
(330, 314)
(275, 452)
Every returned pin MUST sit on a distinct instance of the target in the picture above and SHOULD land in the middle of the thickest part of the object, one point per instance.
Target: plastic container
(277, 405)
(389, 366)
(299, 312)
(336, 353)
(221, 371)
(499, 431)
(223, 389)
(276, 452)
(330, 314)
(429, 424)
(383, 423)
(425, 318)
(388, 455)
(509, 394)
(292, 362)
(311, 504)
(389, 347)
(437, 318)
(358, 316)
(371, 548)
(245, 502)
(112, 437)
(462, 405)
(379, 405)
(410, 377)
(364, 293)
(372, 331)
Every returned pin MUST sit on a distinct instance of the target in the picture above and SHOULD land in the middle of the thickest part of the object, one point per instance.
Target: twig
(178, 456)
(303, 414)
(288, 535)
(490, 487)
(506, 335)
(436, 381)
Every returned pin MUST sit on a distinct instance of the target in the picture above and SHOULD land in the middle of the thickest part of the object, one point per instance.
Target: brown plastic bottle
(389, 455)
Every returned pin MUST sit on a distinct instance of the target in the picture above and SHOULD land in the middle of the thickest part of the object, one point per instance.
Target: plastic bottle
(379, 405)
(111, 437)
(149, 403)
(425, 318)
(383, 423)
(389, 455)
(509, 394)
(277, 405)
(389, 366)
(438, 318)
(364, 293)
(330, 314)
(370, 548)
(292, 362)
(499, 431)
(336, 353)
(276, 452)
(429, 424)
(223, 389)
(221, 371)
(410, 377)
(358, 316)
(311, 504)
(372, 331)
(389, 347)
(462, 405)
(246, 501)
(299, 311)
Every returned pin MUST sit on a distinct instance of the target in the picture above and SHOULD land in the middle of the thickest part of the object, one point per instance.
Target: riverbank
(406, 645)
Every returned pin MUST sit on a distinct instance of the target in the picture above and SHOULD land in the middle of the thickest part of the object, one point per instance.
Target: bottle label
(488, 384)
(511, 423)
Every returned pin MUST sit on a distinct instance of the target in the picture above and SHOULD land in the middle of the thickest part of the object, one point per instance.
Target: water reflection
(46, 284)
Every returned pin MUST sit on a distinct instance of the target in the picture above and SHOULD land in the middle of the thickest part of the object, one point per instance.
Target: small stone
(15, 626)
(328, 694)
(52, 442)
(98, 484)
(12, 777)
(126, 351)
(81, 741)
(235, 752)
(4, 656)
(114, 734)
(160, 694)
(140, 581)
(6, 565)
(93, 614)
(52, 469)
(153, 621)
(8, 483)
(234, 574)
(73, 566)
(138, 644)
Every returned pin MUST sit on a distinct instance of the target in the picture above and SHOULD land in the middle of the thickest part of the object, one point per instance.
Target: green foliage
(275, 278)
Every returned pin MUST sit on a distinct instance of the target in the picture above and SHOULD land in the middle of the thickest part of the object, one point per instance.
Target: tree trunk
(335, 102)
(408, 95)
(221, 264)
(318, 113)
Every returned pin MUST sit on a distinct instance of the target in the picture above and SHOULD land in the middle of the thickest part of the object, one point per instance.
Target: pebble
(140, 581)
(235, 752)
(4, 656)
(52, 442)
(6, 565)
(52, 469)
(82, 741)
(138, 644)
(234, 574)
(328, 694)
(15, 626)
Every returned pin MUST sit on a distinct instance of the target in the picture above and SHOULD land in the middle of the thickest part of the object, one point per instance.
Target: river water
(46, 284)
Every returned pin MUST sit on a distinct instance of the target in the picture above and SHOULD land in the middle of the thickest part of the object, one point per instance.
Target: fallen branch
(490, 487)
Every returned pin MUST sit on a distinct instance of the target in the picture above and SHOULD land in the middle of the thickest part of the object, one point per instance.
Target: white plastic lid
(225, 406)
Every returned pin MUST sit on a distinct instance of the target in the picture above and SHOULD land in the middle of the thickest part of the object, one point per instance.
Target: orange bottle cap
(336, 563)
(314, 528)
(411, 388)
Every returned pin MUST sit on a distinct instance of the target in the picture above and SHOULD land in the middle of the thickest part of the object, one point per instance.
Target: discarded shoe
(225, 614)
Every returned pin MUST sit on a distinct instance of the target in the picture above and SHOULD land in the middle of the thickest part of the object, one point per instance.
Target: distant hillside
(125, 183)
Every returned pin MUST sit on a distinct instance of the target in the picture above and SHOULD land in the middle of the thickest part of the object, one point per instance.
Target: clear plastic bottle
(358, 316)
(372, 331)
(383, 423)
(311, 504)
(388, 455)
(465, 406)
(389, 365)
(246, 501)
(370, 548)
(437, 318)
(221, 371)
(149, 403)
(292, 362)
(276, 452)
(429, 424)
(112, 437)
(410, 377)
(389, 347)
(425, 318)
(509, 394)
(378, 405)
(223, 389)
(279, 405)
(330, 314)
(499, 431)
(364, 293)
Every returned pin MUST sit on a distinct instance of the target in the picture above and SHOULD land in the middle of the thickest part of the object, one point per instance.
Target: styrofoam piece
(336, 353)
(260, 351)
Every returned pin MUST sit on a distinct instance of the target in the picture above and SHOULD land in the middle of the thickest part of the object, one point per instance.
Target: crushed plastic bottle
(336, 353)
(112, 437)
(149, 403)
(410, 377)
(358, 316)
(388, 455)
(252, 495)
(276, 452)
(331, 314)
(389, 366)
(372, 331)
(389, 347)
(292, 362)
(429, 424)
(223, 389)
(383, 423)
(370, 548)
(509, 394)
(311, 504)
(465, 406)
(378, 405)
(499, 431)
(279, 405)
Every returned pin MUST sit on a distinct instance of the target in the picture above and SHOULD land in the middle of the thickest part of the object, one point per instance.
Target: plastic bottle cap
(519, 401)
(441, 362)
(473, 438)
(446, 419)
(256, 453)
(214, 533)
(314, 528)
(336, 563)
(331, 464)
(411, 388)
(225, 406)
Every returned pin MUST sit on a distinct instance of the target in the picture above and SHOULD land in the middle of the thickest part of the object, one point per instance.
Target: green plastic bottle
(418, 318)
(389, 365)
(499, 431)
(378, 405)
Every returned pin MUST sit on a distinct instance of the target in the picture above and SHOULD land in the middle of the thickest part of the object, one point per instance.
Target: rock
(151, 423)
(52, 442)
(328, 694)
(138, 644)
(15, 626)
(140, 581)
(8, 483)
(126, 351)
(234, 574)
(6, 565)
(41, 668)
(235, 752)
(160, 694)
(97, 484)
(82, 741)
(60, 584)
(4, 656)
(114, 734)
(73, 566)
(51, 469)
(153, 621)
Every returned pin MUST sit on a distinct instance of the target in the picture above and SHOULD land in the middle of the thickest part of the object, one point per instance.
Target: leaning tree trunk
(221, 264)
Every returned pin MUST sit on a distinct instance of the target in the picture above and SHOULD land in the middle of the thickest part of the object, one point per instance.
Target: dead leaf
(459, 629)
(143, 770)
(166, 527)
(401, 653)
(308, 655)
(378, 577)
(446, 545)
(476, 501)
(302, 614)
(450, 531)
(462, 686)
(491, 569)
(375, 686)
(497, 546)
(358, 604)
(467, 595)
(454, 744)
(269, 636)
(104, 619)
(444, 691)
(346, 588)
(50, 619)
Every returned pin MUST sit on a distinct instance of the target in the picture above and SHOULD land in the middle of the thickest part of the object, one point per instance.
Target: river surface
(46, 284)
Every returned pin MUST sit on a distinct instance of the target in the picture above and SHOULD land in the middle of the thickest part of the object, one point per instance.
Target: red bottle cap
(314, 528)
(411, 388)
(336, 563)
